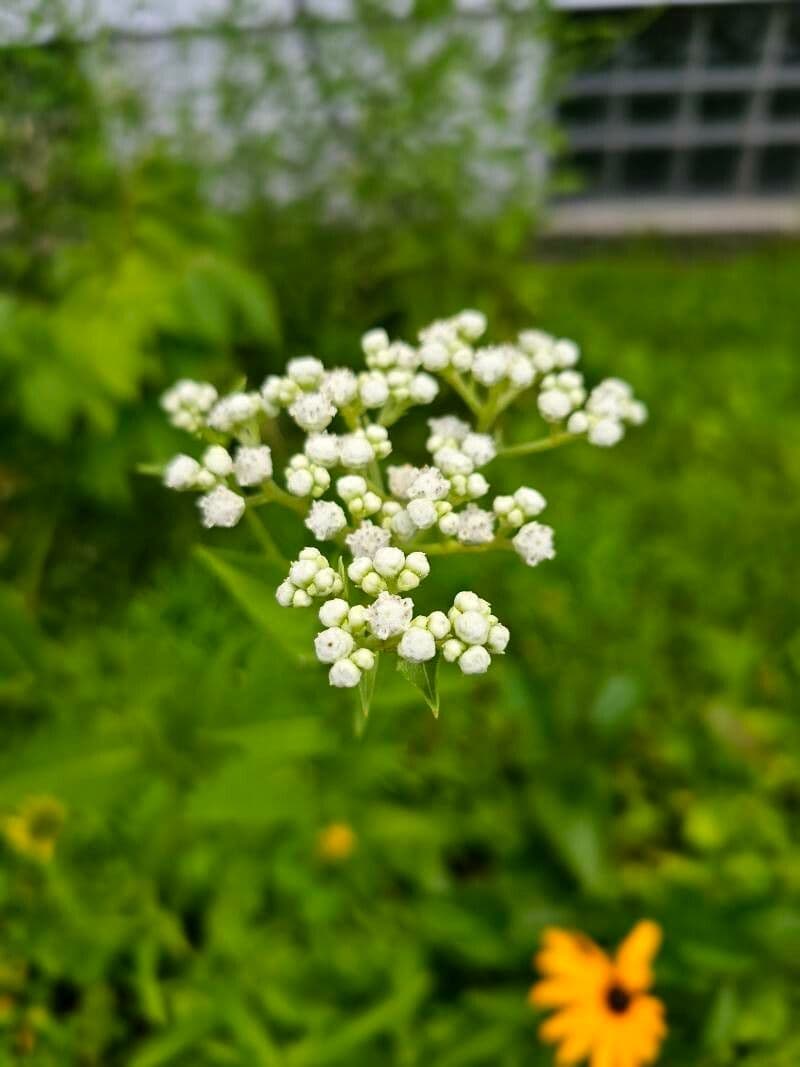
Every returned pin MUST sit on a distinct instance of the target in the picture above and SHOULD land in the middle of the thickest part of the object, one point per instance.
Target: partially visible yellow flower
(33, 830)
(604, 1013)
(7, 1005)
(336, 842)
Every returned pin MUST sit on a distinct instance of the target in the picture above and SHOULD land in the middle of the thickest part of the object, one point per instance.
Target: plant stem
(263, 537)
(273, 494)
(542, 444)
(455, 548)
(466, 392)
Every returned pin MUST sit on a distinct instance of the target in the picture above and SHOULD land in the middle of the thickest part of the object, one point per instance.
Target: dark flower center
(618, 999)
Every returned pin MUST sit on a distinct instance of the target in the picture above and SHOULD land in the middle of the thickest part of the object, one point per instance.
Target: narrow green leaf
(366, 687)
(425, 677)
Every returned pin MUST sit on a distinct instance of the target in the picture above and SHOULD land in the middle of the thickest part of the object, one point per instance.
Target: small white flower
(471, 324)
(446, 429)
(401, 479)
(218, 460)
(389, 561)
(340, 386)
(403, 525)
(438, 624)
(300, 482)
(344, 674)
(531, 501)
(472, 627)
(448, 524)
(578, 422)
(566, 353)
(475, 660)
(452, 461)
(312, 412)
(389, 615)
(322, 448)
(422, 513)
(423, 389)
(181, 473)
(374, 341)
(334, 612)
(417, 563)
(305, 371)
(373, 389)
(469, 601)
(429, 484)
(221, 507)
(498, 638)
(187, 402)
(325, 519)
(475, 526)
(435, 356)
(476, 486)
(490, 365)
(480, 448)
(554, 404)
(364, 658)
(417, 645)
(253, 465)
(521, 371)
(367, 539)
(333, 644)
(351, 486)
(355, 450)
(233, 411)
(605, 433)
(452, 649)
(534, 543)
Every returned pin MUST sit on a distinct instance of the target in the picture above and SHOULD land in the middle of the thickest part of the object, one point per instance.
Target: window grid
(733, 128)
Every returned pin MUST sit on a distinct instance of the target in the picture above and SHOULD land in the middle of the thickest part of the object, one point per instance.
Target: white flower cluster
(386, 522)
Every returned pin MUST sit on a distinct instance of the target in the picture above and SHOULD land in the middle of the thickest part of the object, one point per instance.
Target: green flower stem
(272, 493)
(465, 391)
(455, 548)
(542, 444)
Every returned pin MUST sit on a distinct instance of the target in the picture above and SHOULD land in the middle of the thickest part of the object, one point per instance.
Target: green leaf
(425, 677)
(251, 581)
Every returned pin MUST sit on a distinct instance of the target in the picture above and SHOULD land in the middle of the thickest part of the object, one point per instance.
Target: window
(652, 107)
(713, 169)
(646, 169)
(723, 107)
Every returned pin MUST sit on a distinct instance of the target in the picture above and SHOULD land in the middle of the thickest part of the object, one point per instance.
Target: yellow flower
(34, 828)
(336, 842)
(604, 1012)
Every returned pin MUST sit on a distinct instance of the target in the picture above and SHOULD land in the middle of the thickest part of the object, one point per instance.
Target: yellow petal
(635, 955)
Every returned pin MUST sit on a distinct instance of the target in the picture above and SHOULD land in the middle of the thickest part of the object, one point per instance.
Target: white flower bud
(181, 473)
(218, 460)
(312, 412)
(306, 371)
(221, 507)
(340, 386)
(448, 524)
(403, 525)
(452, 461)
(355, 451)
(300, 482)
(389, 561)
(498, 638)
(490, 364)
(333, 644)
(333, 612)
(434, 355)
(578, 422)
(417, 562)
(373, 389)
(364, 659)
(438, 624)
(422, 513)
(476, 486)
(531, 501)
(429, 484)
(406, 581)
(322, 448)
(475, 526)
(344, 674)
(472, 628)
(521, 371)
(359, 569)
(253, 465)
(480, 448)
(284, 594)
(471, 323)
(325, 519)
(452, 649)
(367, 539)
(416, 645)
(566, 353)
(233, 411)
(373, 341)
(357, 617)
(554, 405)
(423, 389)
(302, 571)
(372, 584)
(351, 486)
(468, 601)
(605, 433)
(502, 505)
(475, 660)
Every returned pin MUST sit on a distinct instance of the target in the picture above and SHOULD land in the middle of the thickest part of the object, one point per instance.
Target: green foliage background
(636, 753)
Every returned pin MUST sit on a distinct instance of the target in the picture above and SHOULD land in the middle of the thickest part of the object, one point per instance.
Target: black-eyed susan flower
(33, 830)
(603, 1010)
(336, 842)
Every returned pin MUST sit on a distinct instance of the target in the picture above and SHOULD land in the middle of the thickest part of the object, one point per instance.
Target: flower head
(603, 1010)
(33, 830)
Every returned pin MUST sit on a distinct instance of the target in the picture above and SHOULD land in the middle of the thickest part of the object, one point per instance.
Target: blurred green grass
(635, 754)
